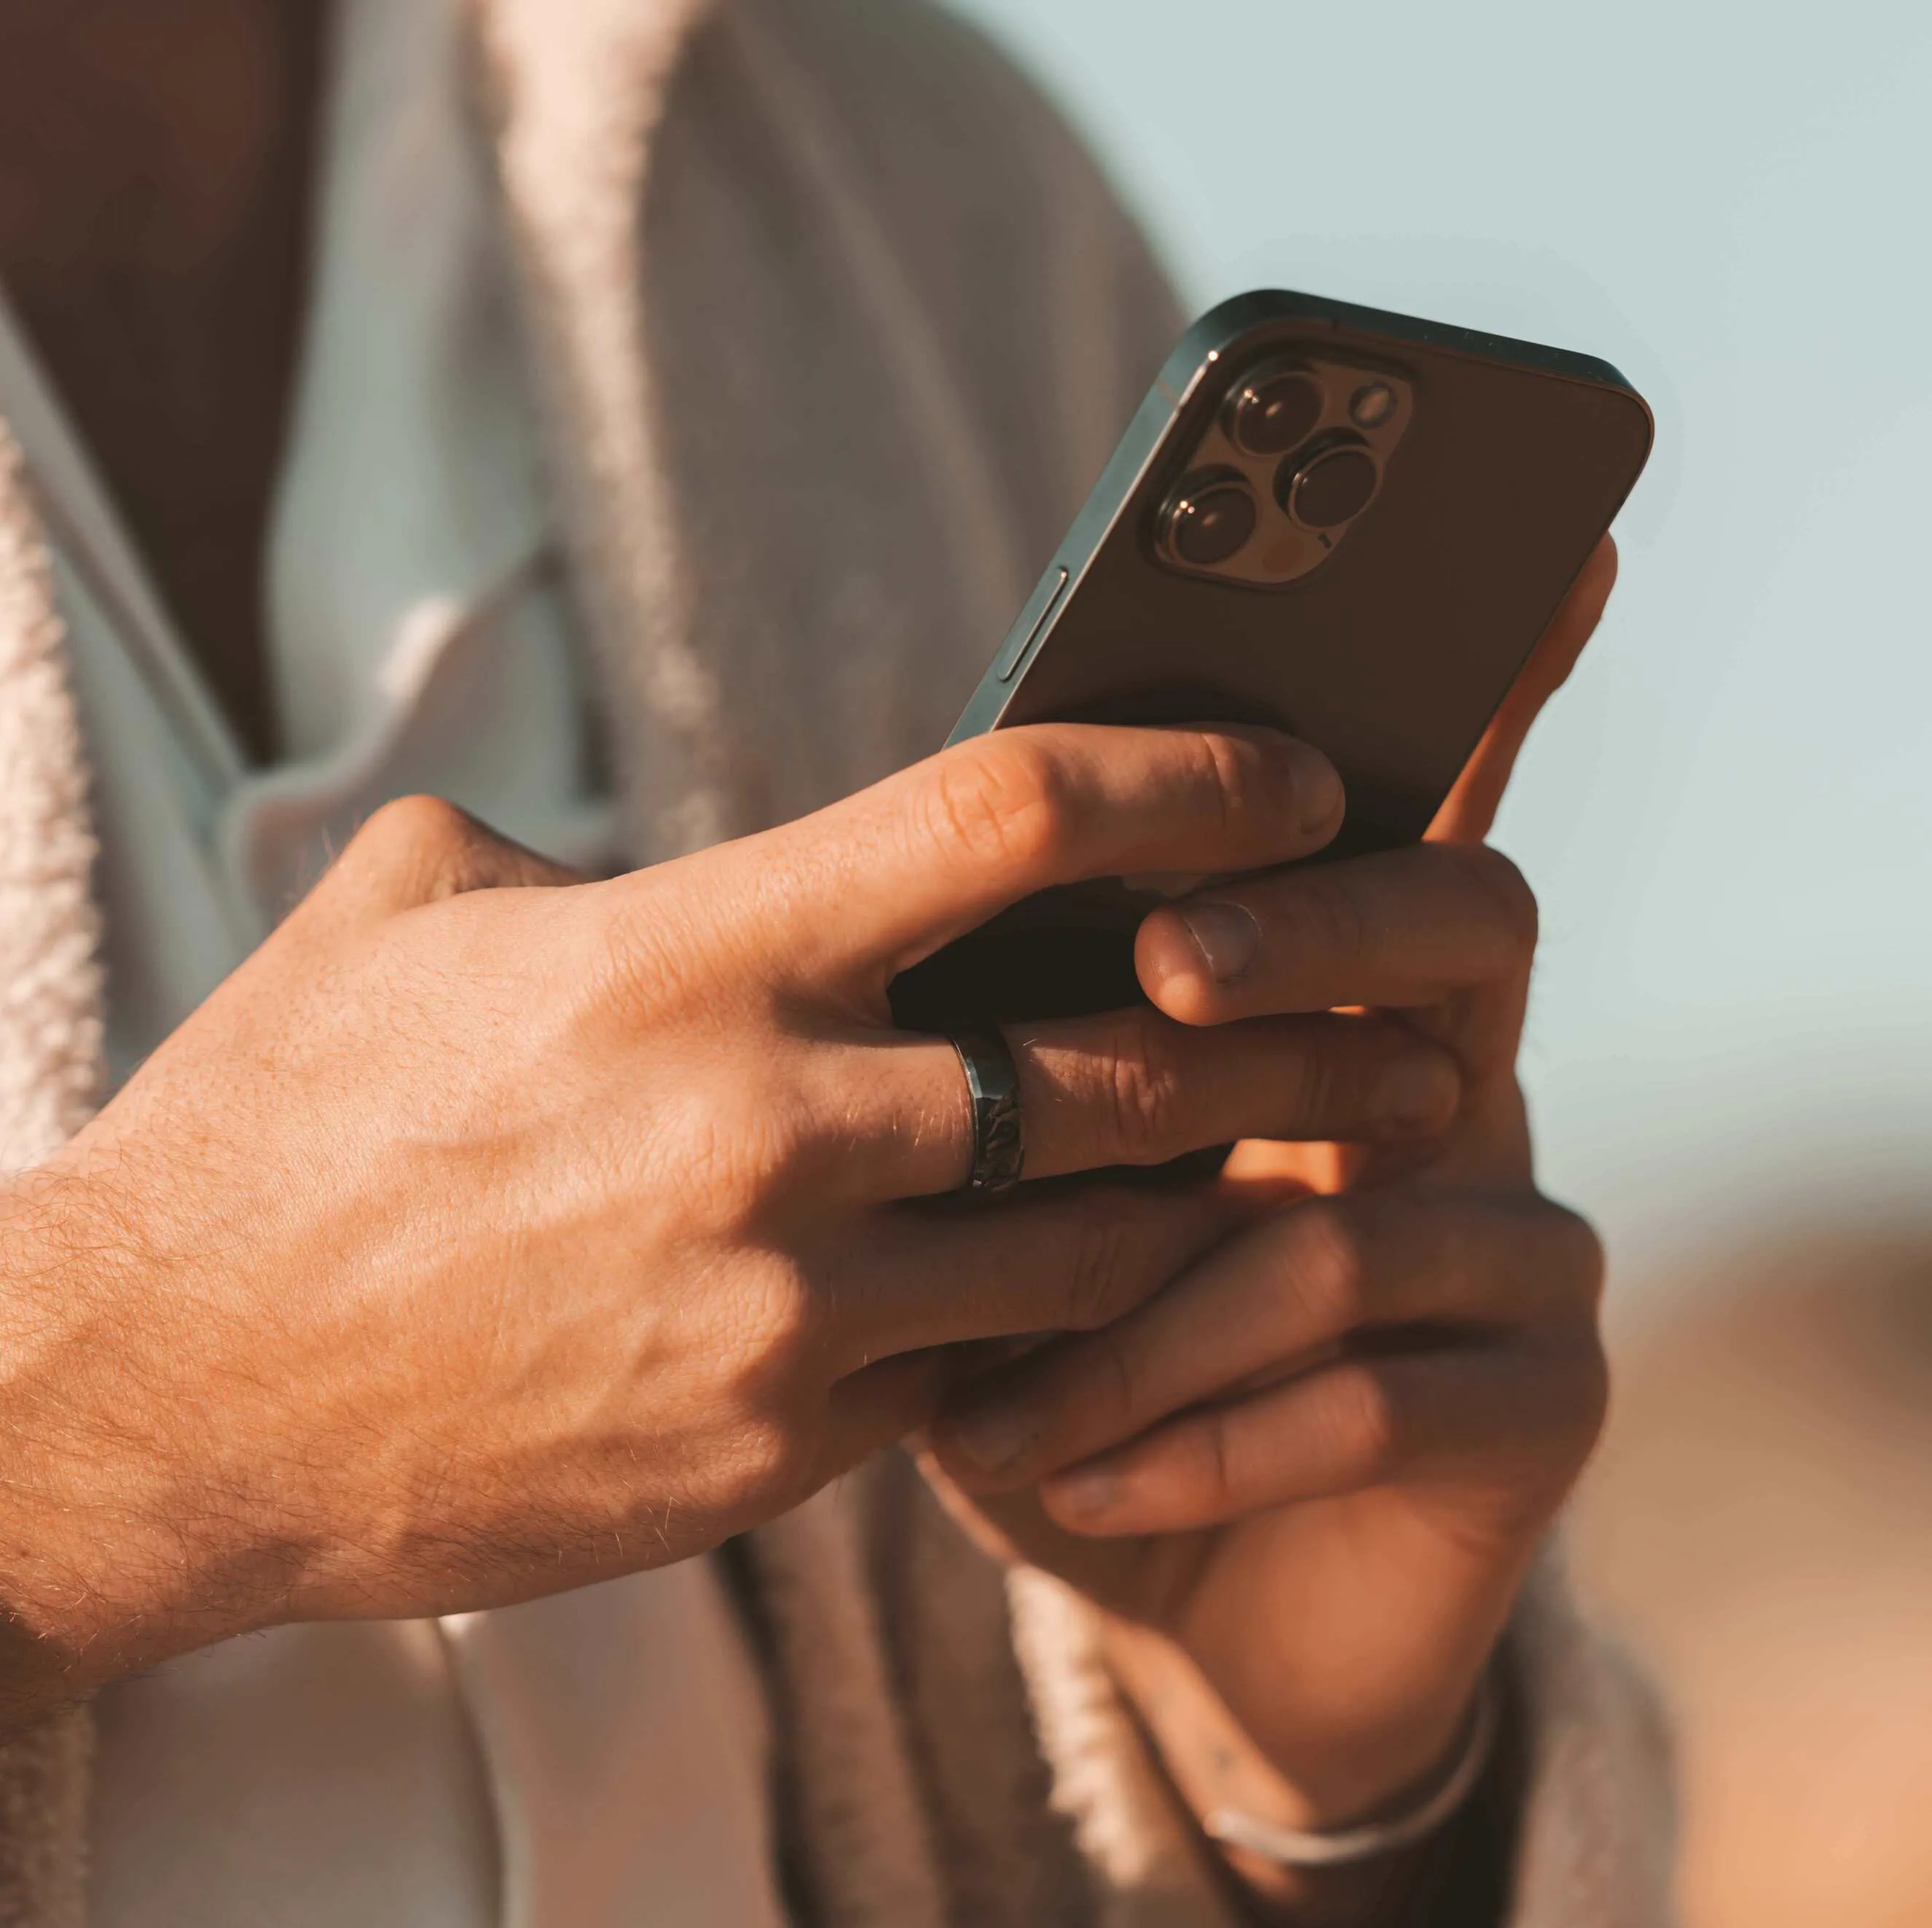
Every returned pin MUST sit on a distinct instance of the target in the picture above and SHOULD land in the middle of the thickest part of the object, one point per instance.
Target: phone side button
(1040, 605)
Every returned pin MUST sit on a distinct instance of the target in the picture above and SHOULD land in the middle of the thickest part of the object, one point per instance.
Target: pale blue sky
(1729, 815)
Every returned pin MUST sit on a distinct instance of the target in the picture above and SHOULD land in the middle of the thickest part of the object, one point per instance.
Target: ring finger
(1135, 1088)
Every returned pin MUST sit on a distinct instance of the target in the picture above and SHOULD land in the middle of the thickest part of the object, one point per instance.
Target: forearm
(1455, 1878)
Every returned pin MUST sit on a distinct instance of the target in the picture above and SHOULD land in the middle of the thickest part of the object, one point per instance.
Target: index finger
(872, 885)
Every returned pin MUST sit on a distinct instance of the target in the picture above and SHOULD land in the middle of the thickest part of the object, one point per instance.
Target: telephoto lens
(1210, 517)
(1331, 487)
(1273, 410)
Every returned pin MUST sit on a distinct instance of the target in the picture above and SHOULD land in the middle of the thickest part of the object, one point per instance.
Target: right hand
(490, 1232)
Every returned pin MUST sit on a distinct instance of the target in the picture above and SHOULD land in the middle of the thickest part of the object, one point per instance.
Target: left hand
(1305, 1482)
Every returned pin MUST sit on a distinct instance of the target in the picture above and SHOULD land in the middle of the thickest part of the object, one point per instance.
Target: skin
(522, 1231)
(1306, 1480)
(517, 1231)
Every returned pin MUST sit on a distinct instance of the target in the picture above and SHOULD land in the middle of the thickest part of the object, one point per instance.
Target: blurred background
(1727, 815)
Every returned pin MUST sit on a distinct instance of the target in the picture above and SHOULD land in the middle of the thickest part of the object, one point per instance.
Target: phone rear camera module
(1329, 486)
(1272, 410)
(1209, 519)
(1371, 405)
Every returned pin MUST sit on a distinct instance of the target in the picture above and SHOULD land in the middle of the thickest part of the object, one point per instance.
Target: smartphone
(1346, 524)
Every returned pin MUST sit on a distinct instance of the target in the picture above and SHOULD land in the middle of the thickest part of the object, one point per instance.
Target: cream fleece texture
(831, 325)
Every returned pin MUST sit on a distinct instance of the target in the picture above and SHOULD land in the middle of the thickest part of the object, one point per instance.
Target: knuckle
(773, 1337)
(1215, 1477)
(1590, 1404)
(1227, 770)
(1361, 1423)
(740, 1148)
(417, 850)
(1579, 1263)
(658, 954)
(1099, 1281)
(999, 804)
(1334, 920)
(1252, 783)
(774, 1464)
(409, 828)
(1321, 1084)
(1117, 1380)
(1328, 1269)
(1507, 895)
(1143, 1088)
(1571, 1403)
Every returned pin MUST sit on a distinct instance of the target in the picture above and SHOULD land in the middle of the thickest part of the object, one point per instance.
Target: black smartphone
(1346, 523)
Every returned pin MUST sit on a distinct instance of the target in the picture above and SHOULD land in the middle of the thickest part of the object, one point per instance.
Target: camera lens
(1371, 405)
(1330, 487)
(1272, 410)
(1210, 517)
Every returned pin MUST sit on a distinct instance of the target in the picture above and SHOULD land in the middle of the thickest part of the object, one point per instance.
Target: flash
(1371, 405)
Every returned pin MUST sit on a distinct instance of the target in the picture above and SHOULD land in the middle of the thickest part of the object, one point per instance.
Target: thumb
(861, 890)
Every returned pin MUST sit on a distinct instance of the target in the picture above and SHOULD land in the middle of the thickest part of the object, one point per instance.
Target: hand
(490, 1232)
(1304, 1480)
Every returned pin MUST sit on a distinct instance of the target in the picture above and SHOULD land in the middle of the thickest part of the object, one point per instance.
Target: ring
(999, 1145)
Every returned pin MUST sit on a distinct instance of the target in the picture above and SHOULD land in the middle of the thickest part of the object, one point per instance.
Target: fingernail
(1227, 937)
(1421, 1090)
(1318, 789)
(994, 1436)
(1084, 1495)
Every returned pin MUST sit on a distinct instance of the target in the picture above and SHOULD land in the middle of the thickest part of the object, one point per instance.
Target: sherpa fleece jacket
(831, 323)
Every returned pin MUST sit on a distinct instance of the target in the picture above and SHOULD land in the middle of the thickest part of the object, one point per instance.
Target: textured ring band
(999, 1145)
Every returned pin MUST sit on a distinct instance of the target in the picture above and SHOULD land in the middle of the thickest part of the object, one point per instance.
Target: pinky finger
(1513, 1423)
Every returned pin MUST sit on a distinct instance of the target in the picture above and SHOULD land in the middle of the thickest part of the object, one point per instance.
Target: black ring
(999, 1145)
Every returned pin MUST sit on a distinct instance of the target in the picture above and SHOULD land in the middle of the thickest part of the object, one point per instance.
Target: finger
(874, 883)
(873, 1407)
(883, 1401)
(1405, 930)
(1134, 1088)
(1471, 805)
(1512, 1422)
(1064, 1259)
(1268, 1304)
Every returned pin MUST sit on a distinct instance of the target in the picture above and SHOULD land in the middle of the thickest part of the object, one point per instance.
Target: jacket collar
(573, 96)
(49, 980)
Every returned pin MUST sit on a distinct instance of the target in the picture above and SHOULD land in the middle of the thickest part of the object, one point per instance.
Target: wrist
(116, 1555)
(1346, 1777)
(1310, 1767)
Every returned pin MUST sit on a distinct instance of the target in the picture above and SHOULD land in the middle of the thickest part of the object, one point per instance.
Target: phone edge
(1187, 364)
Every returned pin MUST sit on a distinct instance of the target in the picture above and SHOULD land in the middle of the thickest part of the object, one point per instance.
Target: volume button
(1040, 605)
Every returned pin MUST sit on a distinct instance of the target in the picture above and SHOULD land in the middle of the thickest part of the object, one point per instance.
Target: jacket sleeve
(1596, 1834)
